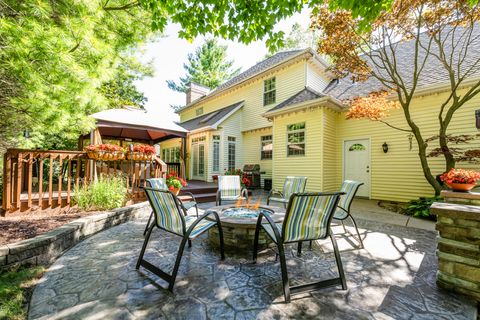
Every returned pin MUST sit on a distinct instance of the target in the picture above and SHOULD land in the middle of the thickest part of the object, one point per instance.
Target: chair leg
(255, 244)
(339, 262)
(222, 247)
(283, 267)
(299, 248)
(343, 225)
(145, 242)
(177, 264)
(358, 232)
(196, 209)
(148, 223)
(189, 243)
(310, 245)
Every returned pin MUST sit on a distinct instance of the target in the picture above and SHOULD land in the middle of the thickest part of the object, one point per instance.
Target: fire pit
(238, 225)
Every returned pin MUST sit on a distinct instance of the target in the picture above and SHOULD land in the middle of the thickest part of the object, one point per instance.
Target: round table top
(247, 222)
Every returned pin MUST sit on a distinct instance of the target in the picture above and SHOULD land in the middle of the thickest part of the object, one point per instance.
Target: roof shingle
(305, 95)
(209, 119)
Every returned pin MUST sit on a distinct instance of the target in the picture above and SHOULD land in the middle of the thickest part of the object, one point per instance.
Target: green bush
(421, 208)
(104, 194)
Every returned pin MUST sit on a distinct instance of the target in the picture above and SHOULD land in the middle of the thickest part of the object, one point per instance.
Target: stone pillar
(458, 248)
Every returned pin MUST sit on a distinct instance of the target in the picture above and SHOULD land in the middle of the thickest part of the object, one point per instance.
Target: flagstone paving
(392, 278)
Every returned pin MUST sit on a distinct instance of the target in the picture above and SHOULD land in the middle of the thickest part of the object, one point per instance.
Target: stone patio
(392, 278)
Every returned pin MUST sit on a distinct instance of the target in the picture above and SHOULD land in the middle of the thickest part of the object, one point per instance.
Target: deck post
(184, 158)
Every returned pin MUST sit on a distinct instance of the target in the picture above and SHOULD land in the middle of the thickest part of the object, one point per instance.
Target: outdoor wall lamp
(26, 134)
(385, 147)
(477, 118)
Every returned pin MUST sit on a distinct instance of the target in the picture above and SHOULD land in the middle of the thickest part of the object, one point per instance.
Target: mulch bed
(21, 226)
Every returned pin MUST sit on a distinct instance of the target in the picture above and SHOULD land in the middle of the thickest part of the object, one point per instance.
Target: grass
(104, 194)
(16, 287)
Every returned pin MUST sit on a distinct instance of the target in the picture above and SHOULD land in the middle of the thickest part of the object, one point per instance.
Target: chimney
(195, 91)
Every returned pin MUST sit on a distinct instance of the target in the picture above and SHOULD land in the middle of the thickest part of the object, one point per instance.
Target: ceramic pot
(461, 187)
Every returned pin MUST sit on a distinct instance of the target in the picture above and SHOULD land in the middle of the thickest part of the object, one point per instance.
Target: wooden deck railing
(47, 179)
(173, 167)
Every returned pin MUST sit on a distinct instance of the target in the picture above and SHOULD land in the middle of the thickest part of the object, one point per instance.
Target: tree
(208, 66)
(245, 20)
(438, 33)
(55, 56)
(121, 90)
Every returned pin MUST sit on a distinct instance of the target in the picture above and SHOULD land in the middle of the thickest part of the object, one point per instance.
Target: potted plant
(105, 152)
(460, 179)
(141, 152)
(175, 183)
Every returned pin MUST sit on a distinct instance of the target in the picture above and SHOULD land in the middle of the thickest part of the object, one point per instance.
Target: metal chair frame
(347, 211)
(287, 290)
(170, 278)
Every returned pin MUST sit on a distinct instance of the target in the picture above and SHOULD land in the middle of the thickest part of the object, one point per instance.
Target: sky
(169, 53)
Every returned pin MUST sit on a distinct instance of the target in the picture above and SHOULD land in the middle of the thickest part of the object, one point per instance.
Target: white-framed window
(232, 141)
(171, 154)
(296, 139)
(199, 111)
(216, 153)
(267, 147)
(269, 91)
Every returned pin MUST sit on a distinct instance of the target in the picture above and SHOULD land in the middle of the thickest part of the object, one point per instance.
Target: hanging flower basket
(142, 152)
(461, 180)
(105, 152)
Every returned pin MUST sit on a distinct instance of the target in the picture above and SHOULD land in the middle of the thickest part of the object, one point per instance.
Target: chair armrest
(272, 192)
(192, 197)
(244, 192)
(217, 218)
(261, 215)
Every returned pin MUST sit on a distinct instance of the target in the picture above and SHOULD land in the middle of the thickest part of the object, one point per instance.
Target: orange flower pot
(176, 191)
(461, 187)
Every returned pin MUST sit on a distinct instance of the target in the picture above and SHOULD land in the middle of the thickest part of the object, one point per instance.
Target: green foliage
(421, 208)
(108, 192)
(55, 56)
(246, 20)
(208, 66)
(14, 285)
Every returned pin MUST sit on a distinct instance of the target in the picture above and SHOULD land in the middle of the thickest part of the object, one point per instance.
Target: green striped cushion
(293, 185)
(229, 186)
(201, 227)
(269, 230)
(350, 188)
(308, 217)
(166, 212)
(157, 183)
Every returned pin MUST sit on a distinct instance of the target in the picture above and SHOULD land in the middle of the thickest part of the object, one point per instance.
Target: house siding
(330, 159)
(289, 80)
(252, 145)
(397, 175)
(310, 164)
(314, 79)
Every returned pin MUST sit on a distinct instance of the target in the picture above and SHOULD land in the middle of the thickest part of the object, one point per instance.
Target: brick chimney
(196, 91)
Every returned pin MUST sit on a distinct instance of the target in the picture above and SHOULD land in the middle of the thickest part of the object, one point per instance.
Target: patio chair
(230, 189)
(290, 186)
(169, 217)
(349, 188)
(308, 217)
(185, 203)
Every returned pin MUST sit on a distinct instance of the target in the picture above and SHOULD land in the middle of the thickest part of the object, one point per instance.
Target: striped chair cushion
(308, 217)
(157, 183)
(166, 212)
(229, 186)
(201, 227)
(350, 188)
(293, 185)
(269, 230)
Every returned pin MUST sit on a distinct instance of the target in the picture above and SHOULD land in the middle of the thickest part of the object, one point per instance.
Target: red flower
(460, 176)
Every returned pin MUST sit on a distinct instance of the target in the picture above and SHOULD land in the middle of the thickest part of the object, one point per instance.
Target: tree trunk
(449, 159)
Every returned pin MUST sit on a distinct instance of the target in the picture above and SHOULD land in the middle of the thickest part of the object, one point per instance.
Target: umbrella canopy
(136, 124)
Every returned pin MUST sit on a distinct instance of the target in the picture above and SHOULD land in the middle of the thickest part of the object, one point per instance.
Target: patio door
(198, 158)
(357, 164)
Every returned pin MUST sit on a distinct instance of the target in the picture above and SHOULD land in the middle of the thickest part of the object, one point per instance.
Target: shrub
(104, 194)
(421, 208)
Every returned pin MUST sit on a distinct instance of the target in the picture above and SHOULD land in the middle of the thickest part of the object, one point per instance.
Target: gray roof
(432, 74)
(305, 95)
(259, 67)
(210, 119)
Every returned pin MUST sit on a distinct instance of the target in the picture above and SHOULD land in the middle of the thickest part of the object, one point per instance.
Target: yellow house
(285, 113)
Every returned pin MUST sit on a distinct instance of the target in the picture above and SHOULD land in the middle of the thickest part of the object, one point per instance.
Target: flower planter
(176, 191)
(140, 156)
(461, 187)
(106, 155)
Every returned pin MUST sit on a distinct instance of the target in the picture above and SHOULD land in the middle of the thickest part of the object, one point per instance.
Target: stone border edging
(46, 247)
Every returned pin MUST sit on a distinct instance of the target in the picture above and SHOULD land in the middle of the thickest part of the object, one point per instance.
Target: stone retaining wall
(47, 247)
(458, 247)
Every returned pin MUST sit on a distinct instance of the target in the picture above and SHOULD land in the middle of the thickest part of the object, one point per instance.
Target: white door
(198, 160)
(357, 164)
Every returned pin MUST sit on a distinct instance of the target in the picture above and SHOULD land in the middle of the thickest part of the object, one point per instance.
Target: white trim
(336, 106)
(369, 160)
